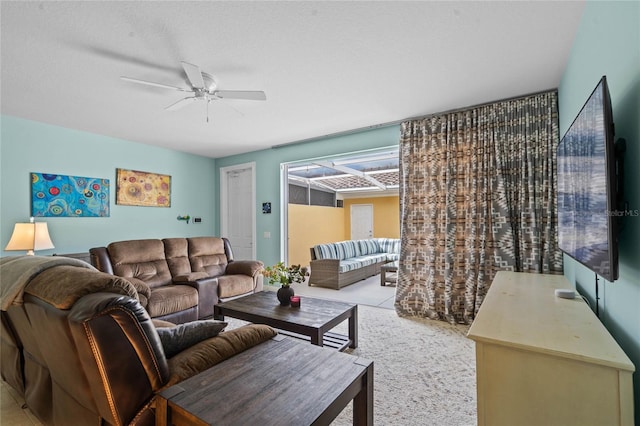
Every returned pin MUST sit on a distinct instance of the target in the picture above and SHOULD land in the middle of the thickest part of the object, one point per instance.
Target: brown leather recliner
(183, 278)
(82, 350)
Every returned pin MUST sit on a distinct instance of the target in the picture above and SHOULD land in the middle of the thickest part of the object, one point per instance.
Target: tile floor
(366, 292)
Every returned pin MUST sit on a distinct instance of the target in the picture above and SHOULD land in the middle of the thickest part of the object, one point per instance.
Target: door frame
(284, 191)
(224, 200)
(284, 212)
(358, 205)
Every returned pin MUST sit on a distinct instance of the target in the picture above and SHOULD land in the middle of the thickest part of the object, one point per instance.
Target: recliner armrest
(100, 259)
(120, 352)
(244, 267)
(141, 287)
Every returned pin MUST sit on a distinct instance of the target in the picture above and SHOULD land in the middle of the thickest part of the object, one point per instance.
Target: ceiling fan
(204, 87)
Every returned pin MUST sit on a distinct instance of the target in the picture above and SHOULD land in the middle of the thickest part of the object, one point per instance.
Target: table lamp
(30, 236)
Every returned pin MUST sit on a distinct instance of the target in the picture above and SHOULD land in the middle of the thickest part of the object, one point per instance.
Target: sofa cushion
(372, 259)
(389, 245)
(142, 259)
(347, 265)
(325, 251)
(177, 254)
(368, 247)
(143, 289)
(177, 338)
(346, 249)
(170, 299)
(206, 254)
(234, 285)
(212, 351)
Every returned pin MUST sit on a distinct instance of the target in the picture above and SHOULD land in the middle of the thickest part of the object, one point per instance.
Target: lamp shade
(30, 236)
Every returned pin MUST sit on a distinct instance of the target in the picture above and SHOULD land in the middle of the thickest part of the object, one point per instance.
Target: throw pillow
(176, 339)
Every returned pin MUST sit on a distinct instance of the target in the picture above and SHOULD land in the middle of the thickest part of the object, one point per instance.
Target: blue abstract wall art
(68, 196)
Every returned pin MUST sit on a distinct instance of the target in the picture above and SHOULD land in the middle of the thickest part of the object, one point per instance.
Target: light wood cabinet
(543, 360)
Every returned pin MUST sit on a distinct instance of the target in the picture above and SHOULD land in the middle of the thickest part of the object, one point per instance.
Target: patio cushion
(389, 245)
(368, 247)
(346, 249)
(351, 255)
(325, 251)
(352, 264)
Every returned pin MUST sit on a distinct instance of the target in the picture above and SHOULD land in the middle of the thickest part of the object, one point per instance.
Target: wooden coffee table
(313, 320)
(279, 382)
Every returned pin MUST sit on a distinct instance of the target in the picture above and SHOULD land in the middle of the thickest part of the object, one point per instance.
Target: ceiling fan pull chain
(208, 102)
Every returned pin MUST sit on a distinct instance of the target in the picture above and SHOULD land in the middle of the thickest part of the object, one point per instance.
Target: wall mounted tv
(590, 186)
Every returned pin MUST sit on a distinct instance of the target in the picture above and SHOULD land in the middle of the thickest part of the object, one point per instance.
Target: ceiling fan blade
(150, 83)
(249, 95)
(181, 103)
(194, 75)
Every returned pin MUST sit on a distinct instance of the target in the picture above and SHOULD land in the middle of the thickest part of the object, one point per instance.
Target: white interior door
(361, 221)
(238, 220)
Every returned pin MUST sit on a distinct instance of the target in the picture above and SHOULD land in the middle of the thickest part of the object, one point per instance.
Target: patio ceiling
(372, 174)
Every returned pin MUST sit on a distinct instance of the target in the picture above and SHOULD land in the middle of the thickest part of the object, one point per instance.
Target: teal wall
(268, 175)
(29, 146)
(608, 43)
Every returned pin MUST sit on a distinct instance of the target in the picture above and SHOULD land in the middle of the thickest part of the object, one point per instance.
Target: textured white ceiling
(326, 67)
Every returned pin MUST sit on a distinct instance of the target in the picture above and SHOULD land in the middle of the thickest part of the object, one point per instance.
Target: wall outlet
(267, 234)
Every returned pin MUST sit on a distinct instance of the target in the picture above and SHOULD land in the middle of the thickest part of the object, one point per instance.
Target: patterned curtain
(477, 195)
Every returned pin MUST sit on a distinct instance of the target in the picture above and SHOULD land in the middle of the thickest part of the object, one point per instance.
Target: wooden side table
(281, 381)
(389, 273)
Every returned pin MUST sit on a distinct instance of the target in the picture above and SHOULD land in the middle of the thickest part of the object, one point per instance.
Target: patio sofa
(335, 265)
(180, 279)
(80, 349)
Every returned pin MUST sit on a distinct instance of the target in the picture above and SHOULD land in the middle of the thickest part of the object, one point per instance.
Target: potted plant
(285, 275)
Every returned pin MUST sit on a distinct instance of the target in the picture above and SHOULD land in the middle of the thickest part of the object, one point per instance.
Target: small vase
(284, 295)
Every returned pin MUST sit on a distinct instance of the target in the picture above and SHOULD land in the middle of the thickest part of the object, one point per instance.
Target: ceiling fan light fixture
(210, 82)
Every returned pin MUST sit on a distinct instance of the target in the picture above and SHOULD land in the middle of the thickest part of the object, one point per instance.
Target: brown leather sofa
(180, 279)
(81, 349)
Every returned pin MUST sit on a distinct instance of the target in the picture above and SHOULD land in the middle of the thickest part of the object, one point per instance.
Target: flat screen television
(588, 190)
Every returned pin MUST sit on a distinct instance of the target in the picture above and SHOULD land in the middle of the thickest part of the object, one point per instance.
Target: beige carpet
(424, 370)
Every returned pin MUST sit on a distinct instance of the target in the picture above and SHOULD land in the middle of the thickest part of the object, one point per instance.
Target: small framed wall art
(55, 195)
(136, 188)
